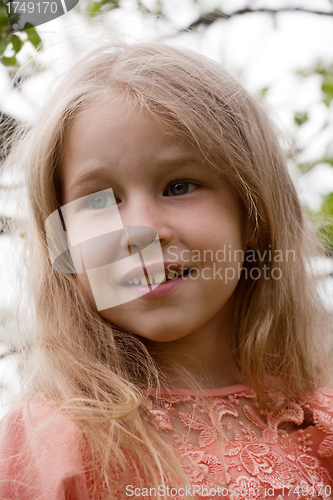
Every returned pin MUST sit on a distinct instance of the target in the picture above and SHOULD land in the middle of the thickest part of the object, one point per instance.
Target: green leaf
(17, 43)
(327, 205)
(95, 7)
(328, 99)
(327, 70)
(8, 61)
(264, 91)
(300, 118)
(4, 42)
(33, 36)
(327, 88)
(326, 211)
(3, 15)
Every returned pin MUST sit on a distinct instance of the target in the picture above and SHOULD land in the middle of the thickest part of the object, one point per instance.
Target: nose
(138, 237)
(144, 222)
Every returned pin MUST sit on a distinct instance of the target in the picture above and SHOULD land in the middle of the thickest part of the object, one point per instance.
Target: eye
(180, 187)
(101, 201)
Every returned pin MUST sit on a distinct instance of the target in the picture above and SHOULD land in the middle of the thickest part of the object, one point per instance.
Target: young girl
(178, 349)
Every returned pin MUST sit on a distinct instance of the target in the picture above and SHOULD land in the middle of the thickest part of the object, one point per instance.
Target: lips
(156, 278)
(155, 274)
(158, 290)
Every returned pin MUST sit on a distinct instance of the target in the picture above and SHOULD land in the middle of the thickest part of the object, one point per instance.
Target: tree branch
(211, 17)
(13, 350)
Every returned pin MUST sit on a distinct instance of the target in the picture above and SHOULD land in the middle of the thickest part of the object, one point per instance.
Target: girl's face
(161, 182)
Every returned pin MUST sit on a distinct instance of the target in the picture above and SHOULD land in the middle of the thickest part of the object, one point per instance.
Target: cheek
(220, 220)
(222, 230)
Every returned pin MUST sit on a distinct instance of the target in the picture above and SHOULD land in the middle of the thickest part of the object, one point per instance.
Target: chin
(162, 335)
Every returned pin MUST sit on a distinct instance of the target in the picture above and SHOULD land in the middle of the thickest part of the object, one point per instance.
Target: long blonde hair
(85, 364)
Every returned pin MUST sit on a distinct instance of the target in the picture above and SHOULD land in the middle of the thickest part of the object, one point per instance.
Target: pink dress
(286, 454)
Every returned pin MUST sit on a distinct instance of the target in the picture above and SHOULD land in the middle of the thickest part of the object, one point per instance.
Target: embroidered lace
(267, 454)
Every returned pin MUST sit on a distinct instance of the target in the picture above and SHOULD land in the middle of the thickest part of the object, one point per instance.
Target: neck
(205, 354)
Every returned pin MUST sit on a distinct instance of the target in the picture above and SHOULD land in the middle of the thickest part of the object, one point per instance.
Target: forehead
(115, 137)
(118, 121)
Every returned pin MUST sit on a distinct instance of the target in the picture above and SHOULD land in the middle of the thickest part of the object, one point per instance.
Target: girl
(178, 347)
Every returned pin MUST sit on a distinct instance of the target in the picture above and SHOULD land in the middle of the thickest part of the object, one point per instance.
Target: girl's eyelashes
(104, 200)
(101, 201)
(180, 187)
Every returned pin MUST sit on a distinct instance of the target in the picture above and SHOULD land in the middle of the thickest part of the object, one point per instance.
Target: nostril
(139, 237)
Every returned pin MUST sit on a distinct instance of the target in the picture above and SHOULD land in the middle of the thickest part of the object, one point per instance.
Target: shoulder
(36, 422)
(39, 447)
(31, 413)
(318, 401)
(319, 406)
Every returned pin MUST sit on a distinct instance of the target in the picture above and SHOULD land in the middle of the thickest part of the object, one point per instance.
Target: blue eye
(180, 187)
(102, 201)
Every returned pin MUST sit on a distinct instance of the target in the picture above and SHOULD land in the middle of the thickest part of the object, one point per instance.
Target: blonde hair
(97, 373)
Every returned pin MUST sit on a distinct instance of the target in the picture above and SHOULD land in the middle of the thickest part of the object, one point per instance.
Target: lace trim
(223, 391)
(261, 451)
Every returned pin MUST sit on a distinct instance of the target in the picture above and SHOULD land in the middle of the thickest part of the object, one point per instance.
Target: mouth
(156, 278)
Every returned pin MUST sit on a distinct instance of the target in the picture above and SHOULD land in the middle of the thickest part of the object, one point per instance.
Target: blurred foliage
(326, 211)
(13, 42)
(327, 80)
(93, 8)
(300, 118)
(264, 91)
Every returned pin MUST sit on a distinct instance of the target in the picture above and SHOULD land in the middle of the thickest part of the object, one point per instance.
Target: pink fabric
(54, 468)
(264, 450)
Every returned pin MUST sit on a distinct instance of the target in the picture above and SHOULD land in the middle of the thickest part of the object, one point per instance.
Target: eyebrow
(103, 173)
